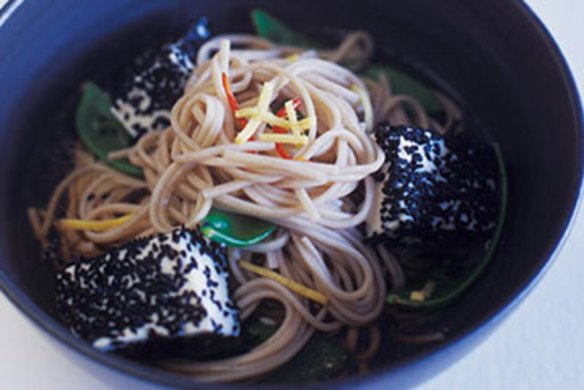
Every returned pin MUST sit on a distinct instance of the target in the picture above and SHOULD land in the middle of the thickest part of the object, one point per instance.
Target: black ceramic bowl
(493, 56)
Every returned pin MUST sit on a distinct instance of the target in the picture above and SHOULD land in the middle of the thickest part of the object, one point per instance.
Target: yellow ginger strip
(260, 114)
(248, 131)
(424, 293)
(284, 138)
(268, 117)
(291, 112)
(246, 112)
(304, 124)
(100, 226)
(255, 122)
(273, 120)
(290, 284)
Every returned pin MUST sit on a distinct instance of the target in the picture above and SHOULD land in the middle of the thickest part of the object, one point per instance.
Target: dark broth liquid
(406, 333)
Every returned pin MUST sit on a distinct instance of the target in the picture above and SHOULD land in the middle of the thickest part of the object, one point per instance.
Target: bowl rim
(496, 316)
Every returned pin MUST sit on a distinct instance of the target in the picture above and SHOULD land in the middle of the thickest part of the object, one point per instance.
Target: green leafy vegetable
(235, 229)
(402, 83)
(321, 358)
(274, 30)
(256, 332)
(448, 295)
(100, 131)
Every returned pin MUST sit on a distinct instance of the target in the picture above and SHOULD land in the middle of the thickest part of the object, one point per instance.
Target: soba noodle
(195, 165)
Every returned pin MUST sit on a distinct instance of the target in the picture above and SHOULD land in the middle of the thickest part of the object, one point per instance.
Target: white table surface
(539, 346)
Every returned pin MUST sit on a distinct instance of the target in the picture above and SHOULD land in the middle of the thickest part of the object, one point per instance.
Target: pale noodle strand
(194, 165)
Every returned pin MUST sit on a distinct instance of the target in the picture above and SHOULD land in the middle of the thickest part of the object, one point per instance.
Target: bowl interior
(493, 58)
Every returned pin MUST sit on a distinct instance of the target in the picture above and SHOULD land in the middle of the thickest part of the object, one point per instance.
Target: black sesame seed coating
(145, 290)
(156, 80)
(434, 190)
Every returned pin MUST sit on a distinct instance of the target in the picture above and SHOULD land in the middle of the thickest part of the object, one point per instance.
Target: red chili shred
(231, 99)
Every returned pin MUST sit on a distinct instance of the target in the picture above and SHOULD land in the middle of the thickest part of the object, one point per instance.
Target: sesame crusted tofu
(433, 189)
(168, 286)
(155, 81)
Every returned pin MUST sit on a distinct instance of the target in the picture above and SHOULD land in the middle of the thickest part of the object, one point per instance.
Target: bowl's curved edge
(427, 364)
(437, 359)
